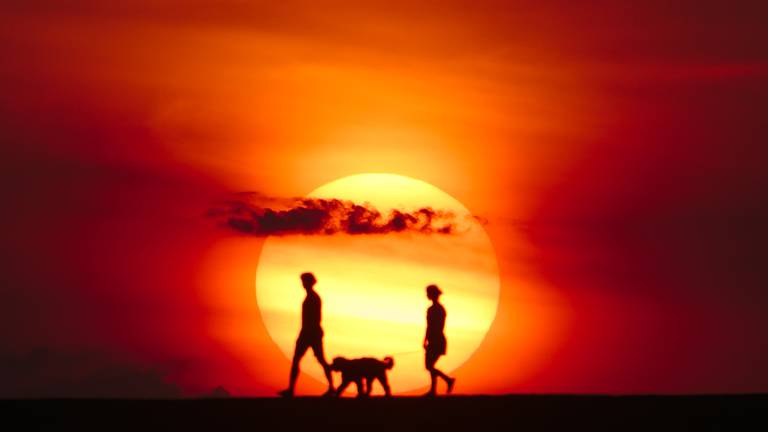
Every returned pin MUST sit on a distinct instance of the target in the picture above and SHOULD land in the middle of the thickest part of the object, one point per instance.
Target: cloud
(254, 214)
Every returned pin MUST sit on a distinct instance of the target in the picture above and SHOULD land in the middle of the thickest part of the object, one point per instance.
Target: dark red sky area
(651, 226)
(662, 240)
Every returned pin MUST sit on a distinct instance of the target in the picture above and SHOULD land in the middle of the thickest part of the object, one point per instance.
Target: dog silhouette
(363, 372)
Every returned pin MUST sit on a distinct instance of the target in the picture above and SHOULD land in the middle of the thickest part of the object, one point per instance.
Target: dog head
(339, 363)
(390, 362)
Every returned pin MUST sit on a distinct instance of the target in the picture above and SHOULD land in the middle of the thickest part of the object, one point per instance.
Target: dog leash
(404, 353)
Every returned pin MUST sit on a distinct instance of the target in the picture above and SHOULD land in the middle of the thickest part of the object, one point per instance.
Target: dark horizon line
(408, 397)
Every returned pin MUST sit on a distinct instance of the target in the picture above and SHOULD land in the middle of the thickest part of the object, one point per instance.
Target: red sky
(616, 150)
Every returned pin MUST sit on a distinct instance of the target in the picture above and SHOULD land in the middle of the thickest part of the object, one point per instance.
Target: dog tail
(389, 361)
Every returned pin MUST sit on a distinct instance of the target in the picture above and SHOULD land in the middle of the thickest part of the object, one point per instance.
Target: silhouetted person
(310, 336)
(434, 341)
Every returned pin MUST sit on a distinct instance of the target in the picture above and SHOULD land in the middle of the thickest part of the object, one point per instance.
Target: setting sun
(372, 287)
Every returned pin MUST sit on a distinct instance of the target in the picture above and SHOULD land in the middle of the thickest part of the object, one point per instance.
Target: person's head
(433, 292)
(308, 280)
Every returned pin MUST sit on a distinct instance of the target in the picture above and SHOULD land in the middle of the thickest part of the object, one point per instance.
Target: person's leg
(440, 373)
(448, 380)
(317, 350)
(298, 353)
(435, 373)
(429, 363)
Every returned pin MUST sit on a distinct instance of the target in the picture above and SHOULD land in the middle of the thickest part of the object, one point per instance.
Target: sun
(373, 286)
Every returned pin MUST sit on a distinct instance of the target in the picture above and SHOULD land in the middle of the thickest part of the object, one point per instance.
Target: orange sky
(586, 135)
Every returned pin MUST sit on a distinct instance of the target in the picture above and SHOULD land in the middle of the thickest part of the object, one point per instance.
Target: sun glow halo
(372, 286)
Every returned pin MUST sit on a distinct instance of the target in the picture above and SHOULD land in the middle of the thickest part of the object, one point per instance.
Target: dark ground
(513, 412)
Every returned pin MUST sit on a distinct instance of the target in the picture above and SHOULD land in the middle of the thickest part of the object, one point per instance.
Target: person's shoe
(429, 394)
(330, 393)
(451, 382)
(287, 393)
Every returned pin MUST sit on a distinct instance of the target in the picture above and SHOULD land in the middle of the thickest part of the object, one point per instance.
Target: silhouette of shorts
(310, 338)
(436, 345)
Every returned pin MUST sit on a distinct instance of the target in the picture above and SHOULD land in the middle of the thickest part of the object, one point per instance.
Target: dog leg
(344, 384)
(385, 383)
(368, 386)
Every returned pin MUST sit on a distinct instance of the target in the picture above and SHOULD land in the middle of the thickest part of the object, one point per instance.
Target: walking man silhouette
(310, 336)
(434, 341)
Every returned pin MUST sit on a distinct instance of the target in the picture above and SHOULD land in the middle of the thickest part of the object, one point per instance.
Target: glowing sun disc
(372, 286)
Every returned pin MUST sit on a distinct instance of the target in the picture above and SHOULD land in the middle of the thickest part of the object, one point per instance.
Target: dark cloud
(255, 215)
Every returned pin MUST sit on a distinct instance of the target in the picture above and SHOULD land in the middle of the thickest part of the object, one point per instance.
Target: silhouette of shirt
(435, 322)
(310, 313)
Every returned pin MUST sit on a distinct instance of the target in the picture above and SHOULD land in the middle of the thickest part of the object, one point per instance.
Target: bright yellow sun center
(373, 286)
